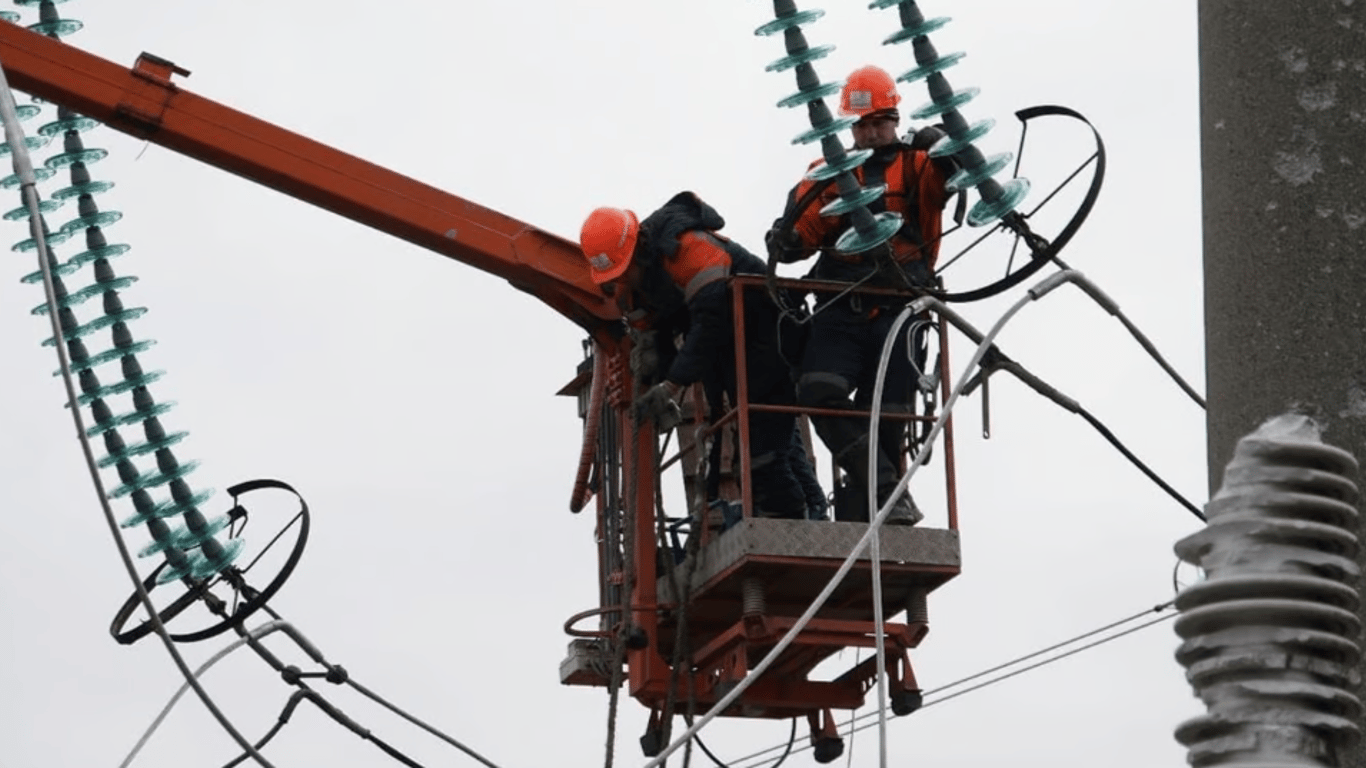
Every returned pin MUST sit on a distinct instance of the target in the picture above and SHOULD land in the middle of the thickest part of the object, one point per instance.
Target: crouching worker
(669, 274)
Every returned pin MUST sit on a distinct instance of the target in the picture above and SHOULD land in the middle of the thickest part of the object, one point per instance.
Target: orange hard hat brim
(628, 250)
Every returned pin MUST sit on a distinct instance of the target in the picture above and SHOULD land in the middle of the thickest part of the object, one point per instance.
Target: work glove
(658, 405)
(644, 355)
(784, 245)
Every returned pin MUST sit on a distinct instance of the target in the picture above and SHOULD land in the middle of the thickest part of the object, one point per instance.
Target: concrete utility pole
(1283, 145)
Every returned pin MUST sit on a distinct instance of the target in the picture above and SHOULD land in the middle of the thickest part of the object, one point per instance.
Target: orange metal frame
(785, 690)
(144, 101)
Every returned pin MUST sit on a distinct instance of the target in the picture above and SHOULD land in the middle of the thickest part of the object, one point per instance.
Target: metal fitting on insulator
(918, 606)
(1270, 637)
(752, 598)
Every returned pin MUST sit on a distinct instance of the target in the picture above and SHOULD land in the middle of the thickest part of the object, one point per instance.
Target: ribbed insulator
(977, 171)
(191, 550)
(918, 606)
(1270, 637)
(868, 230)
(752, 597)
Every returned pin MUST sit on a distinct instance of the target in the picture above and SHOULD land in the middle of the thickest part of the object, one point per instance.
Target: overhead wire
(998, 360)
(252, 638)
(1109, 305)
(23, 167)
(875, 548)
(985, 343)
(754, 757)
(256, 634)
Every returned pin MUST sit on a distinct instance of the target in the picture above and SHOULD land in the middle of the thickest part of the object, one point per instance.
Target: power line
(755, 757)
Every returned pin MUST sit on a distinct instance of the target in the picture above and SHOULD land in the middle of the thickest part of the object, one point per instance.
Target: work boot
(904, 511)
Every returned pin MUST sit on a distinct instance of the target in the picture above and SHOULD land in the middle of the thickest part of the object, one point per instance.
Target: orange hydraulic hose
(593, 419)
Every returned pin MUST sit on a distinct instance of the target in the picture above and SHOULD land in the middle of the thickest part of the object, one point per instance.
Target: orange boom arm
(144, 102)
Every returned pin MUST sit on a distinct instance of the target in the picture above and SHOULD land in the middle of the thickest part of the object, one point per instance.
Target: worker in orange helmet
(669, 274)
(847, 332)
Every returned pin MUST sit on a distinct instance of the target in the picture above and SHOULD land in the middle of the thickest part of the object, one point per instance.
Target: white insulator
(918, 606)
(1270, 636)
(752, 597)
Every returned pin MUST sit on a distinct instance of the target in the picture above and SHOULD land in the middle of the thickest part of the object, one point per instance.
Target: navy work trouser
(841, 359)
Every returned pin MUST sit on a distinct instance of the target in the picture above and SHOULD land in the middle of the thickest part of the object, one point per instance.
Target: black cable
(274, 729)
(394, 753)
(1114, 441)
(791, 740)
(413, 720)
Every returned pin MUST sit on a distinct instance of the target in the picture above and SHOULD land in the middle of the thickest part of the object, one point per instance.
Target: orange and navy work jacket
(915, 189)
(684, 287)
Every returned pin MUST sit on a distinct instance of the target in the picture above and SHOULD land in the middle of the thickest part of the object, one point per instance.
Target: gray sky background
(410, 398)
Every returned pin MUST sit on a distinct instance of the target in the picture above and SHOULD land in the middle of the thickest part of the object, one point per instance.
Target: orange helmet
(867, 91)
(608, 240)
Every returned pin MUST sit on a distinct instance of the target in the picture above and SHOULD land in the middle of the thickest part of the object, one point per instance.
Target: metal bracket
(143, 106)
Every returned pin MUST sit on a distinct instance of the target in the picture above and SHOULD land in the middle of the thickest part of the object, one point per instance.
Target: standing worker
(848, 332)
(669, 274)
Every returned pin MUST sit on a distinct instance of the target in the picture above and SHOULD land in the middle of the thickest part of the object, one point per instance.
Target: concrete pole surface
(1283, 156)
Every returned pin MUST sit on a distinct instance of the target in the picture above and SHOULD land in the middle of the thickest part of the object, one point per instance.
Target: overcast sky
(411, 398)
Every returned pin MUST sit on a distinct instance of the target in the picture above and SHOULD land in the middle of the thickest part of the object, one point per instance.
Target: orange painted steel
(146, 103)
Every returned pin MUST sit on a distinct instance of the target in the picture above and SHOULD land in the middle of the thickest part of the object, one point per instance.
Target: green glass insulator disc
(94, 361)
(51, 238)
(67, 159)
(887, 225)
(1013, 193)
(57, 27)
(153, 481)
(78, 123)
(89, 188)
(971, 177)
(160, 546)
(37, 2)
(955, 101)
(141, 449)
(9, 16)
(134, 417)
(949, 145)
(31, 142)
(44, 206)
(95, 254)
(168, 508)
(816, 134)
(806, 97)
(87, 293)
(99, 323)
(919, 30)
(209, 566)
(26, 111)
(40, 174)
(863, 198)
(878, 5)
(787, 22)
(851, 161)
(190, 539)
(938, 65)
(61, 270)
(188, 570)
(118, 388)
(803, 57)
(97, 219)
(172, 507)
